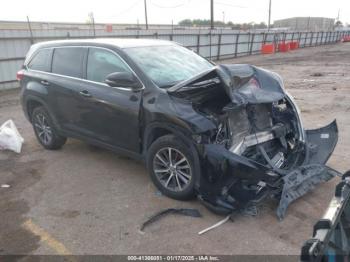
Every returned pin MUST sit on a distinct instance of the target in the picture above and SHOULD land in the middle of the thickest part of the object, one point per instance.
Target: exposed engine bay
(259, 147)
(266, 133)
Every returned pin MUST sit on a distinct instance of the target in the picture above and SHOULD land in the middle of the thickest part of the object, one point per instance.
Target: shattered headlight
(292, 102)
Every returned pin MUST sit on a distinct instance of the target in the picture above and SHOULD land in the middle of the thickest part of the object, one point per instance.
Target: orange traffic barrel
(346, 38)
(283, 47)
(294, 45)
(267, 48)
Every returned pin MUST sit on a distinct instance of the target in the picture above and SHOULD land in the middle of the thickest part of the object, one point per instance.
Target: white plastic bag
(10, 138)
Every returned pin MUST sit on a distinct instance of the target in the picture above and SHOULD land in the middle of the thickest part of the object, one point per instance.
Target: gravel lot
(85, 200)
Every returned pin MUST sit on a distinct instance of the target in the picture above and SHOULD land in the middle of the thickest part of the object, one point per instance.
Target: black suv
(229, 134)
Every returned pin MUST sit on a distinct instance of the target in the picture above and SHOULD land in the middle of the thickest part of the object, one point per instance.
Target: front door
(109, 114)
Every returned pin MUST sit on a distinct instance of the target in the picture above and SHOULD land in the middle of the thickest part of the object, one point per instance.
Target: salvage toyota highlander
(229, 134)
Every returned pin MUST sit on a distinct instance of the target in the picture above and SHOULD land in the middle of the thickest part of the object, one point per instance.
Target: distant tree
(186, 22)
(262, 25)
(338, 24)
(206, 22)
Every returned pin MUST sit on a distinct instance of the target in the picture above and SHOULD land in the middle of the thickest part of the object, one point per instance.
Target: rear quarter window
(41, 60)
(68, 61)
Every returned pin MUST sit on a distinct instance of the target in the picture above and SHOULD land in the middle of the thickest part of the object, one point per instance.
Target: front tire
(171, 166)
(45, 131)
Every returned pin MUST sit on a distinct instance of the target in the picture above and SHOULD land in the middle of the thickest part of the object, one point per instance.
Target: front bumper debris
(300, 181)
(226, 184)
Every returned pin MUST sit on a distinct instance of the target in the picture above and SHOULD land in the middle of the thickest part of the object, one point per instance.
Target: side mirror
(123, 79)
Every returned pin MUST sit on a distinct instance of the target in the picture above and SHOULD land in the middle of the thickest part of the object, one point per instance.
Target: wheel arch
(31, 105)
(32, 102)
(156, 130)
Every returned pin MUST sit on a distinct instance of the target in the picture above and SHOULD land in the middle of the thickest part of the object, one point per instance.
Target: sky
(166, 11)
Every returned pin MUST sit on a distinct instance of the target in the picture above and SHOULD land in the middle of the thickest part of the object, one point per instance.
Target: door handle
(85, 93)
(44, 82)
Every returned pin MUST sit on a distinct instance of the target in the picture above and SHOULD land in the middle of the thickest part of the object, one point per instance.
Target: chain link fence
(212, 44)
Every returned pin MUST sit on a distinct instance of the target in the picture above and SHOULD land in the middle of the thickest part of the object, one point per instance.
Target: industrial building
(306, 23)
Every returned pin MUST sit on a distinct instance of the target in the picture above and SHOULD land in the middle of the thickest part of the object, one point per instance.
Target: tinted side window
(68, 61)
(41, 60)
(102, 63)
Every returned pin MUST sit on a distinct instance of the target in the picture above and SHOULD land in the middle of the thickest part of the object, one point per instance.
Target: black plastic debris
(180, 211)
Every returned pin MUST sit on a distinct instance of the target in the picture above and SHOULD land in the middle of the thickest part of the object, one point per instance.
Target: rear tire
(170, 163)
(45, 131)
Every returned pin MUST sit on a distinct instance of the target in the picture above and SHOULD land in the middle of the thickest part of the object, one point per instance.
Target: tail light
(20, 75)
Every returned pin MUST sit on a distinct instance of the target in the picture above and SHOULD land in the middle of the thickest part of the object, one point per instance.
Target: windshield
(169, 64)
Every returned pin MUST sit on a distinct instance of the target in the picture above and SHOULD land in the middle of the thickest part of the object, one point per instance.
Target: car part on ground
(221, 222)
(10, 138)
(180, 211)
(331, 234)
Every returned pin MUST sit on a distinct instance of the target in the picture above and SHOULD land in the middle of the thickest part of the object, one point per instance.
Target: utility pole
(146, 14)
(91, 15)
(338, 17)
(30, 31)
(211, 14)
(269, 22)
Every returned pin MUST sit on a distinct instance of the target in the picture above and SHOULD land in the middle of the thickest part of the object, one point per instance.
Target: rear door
(65, 83)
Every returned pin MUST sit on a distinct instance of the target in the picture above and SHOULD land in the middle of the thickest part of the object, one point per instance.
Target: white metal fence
(212, 44)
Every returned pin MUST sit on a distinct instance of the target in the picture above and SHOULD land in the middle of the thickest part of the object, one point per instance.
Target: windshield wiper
(171, 84)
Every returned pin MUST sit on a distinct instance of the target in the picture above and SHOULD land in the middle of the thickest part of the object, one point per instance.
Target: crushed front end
(259, 148)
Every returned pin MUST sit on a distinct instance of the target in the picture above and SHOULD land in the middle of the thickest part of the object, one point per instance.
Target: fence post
(284, 37)
(299, 39)
(251, 44)
(306, 38)
(311, 39)
(322, 38)
(198, 41)
(210, 44)
(332, 37)
(275, 40)
(236, 45)
(219, 46)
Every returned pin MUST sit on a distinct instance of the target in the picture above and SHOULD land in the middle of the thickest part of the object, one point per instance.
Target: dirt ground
(83, 200)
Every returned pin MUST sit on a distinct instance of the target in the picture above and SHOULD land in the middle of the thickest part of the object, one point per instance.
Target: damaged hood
(244, 84)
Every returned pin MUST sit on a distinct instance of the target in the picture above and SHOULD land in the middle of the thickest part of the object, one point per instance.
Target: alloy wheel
(172, 169)
(43, 129)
